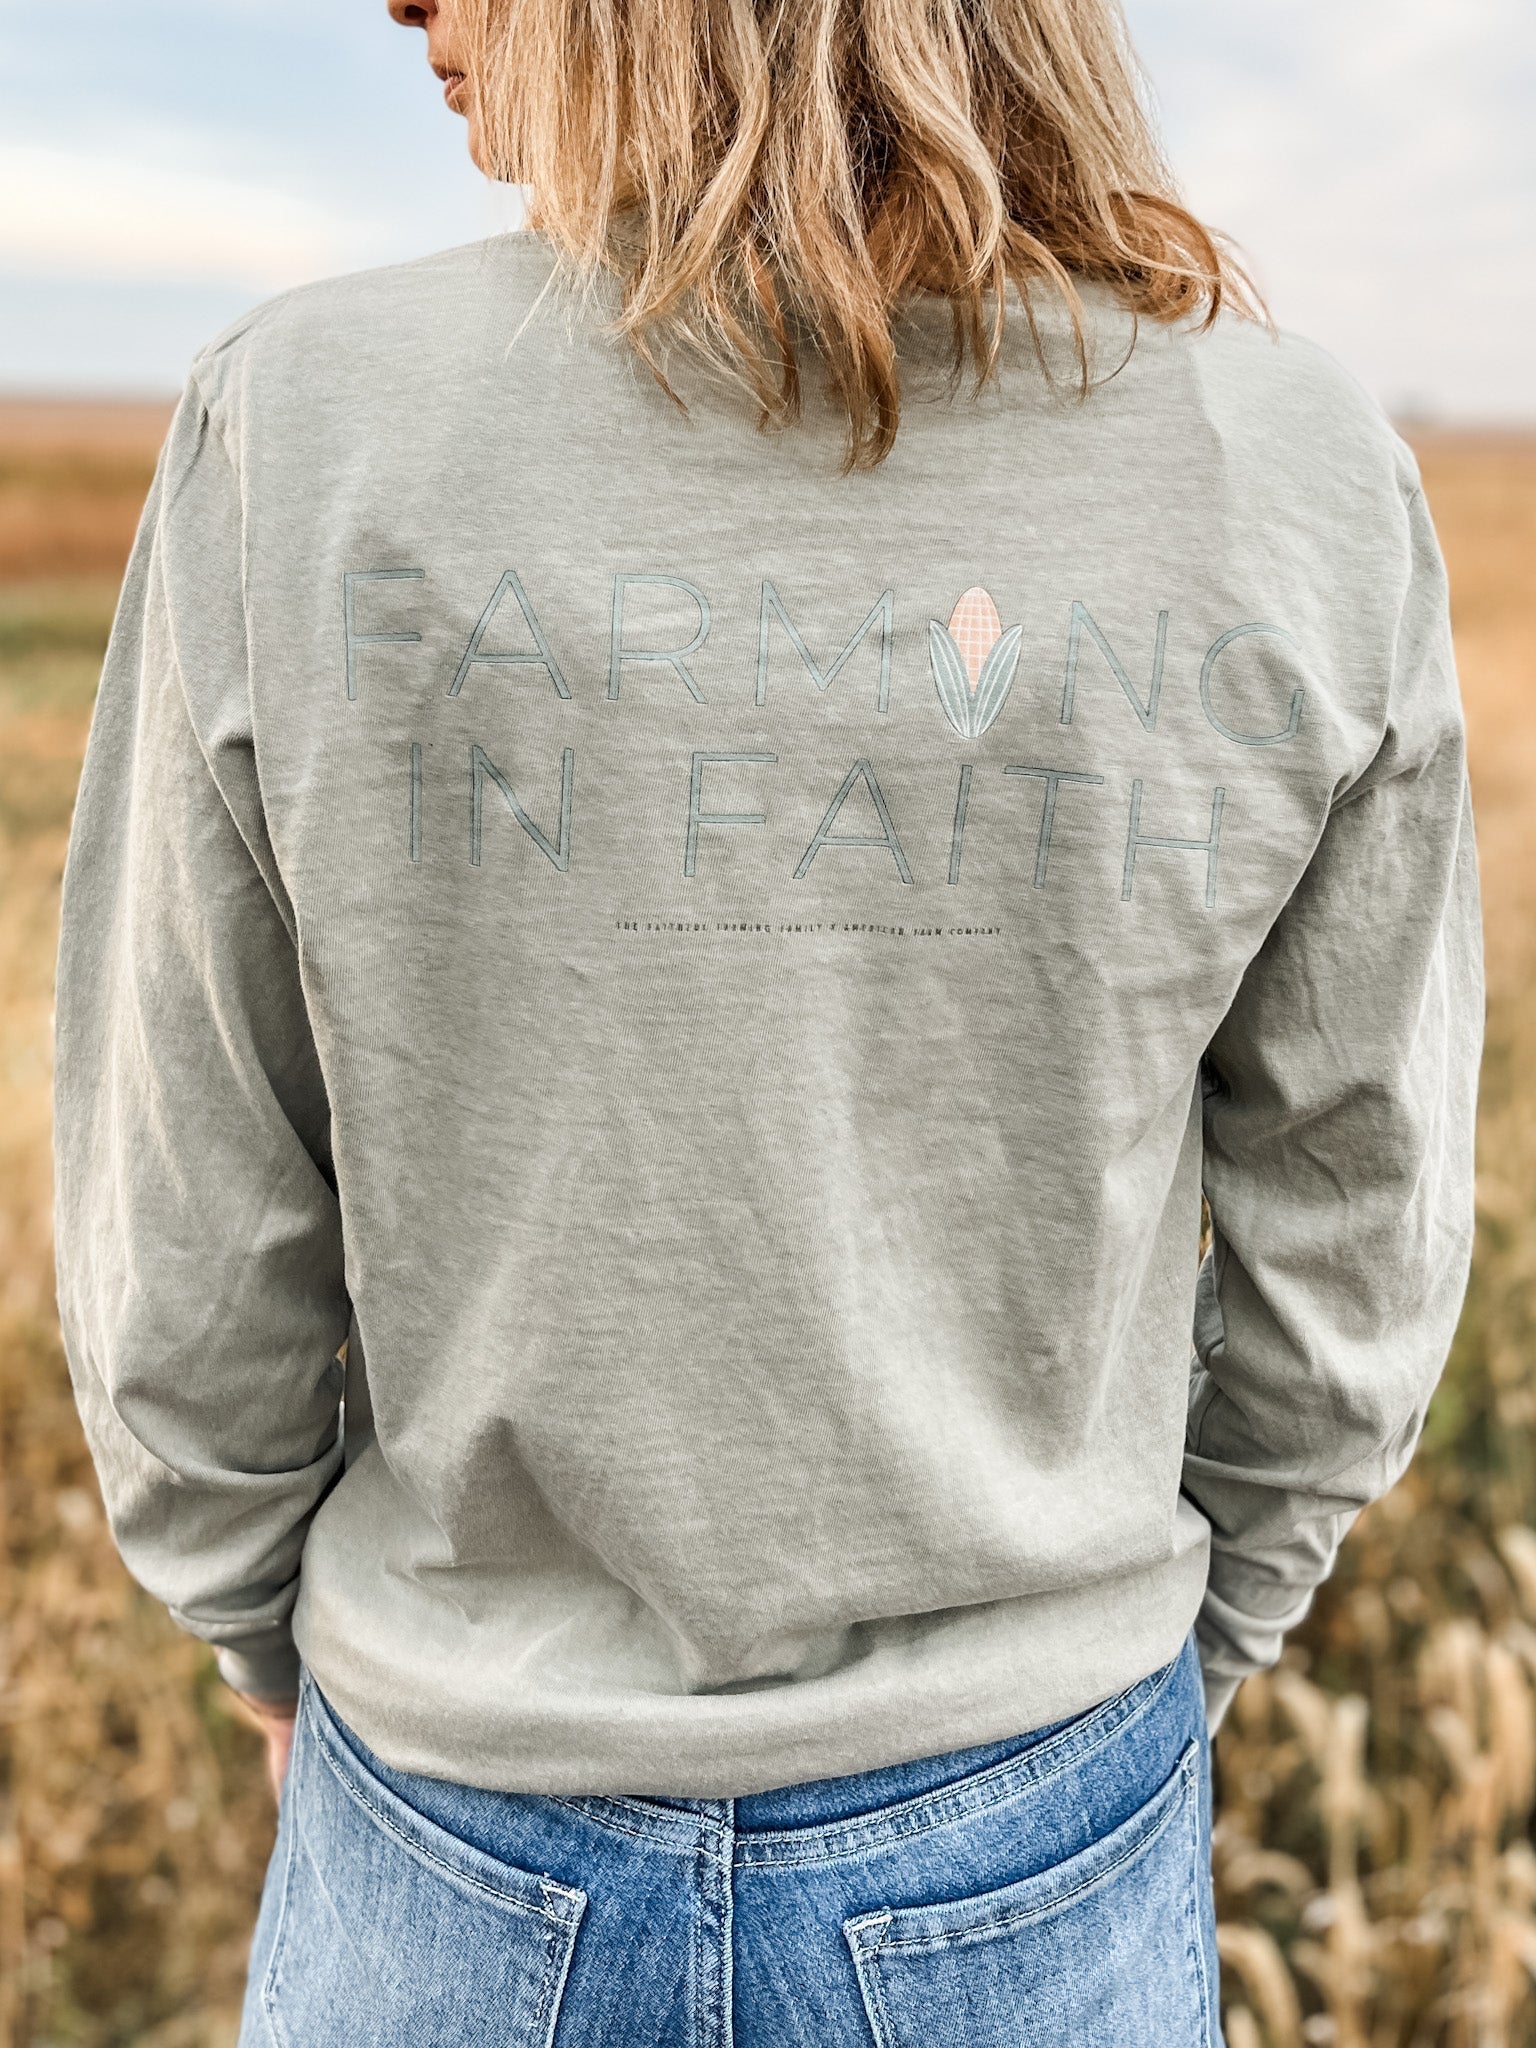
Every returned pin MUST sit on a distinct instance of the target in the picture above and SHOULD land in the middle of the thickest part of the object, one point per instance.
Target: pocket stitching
(929, 1810)
(606, 1812)
(871, 1990)
(555, 1980)
(1198, 1955)
(572, 1896)
(553, 1972)
(968, 1937)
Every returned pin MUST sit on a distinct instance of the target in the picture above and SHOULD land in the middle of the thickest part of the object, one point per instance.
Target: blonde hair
(765, 177)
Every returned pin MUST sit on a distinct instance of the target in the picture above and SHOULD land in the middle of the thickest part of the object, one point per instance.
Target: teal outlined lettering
(544, 658)
(1248, 739)
(675, 658)
(1147, 712)
(698, 816)
(881, 613)
(886, 837)
(1053, 778)
(353, 639)
(957, 835)
(1136, 840)
(481, 767)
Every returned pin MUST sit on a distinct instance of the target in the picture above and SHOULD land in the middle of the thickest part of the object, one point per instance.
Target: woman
(678, 889)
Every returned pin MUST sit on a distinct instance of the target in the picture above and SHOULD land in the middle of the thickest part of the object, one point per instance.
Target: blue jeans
(1048, 1892)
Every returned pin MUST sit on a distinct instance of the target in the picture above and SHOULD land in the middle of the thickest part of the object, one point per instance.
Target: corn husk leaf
(950, 678)
(995, 681)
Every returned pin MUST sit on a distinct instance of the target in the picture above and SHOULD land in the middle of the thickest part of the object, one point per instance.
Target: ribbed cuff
(265, 1674)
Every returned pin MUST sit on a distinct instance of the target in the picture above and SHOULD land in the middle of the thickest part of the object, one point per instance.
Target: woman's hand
(275, 1719)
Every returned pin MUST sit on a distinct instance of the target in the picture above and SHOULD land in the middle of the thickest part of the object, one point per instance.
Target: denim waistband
(817, 1820)
(824, 1802)
(820, 1800)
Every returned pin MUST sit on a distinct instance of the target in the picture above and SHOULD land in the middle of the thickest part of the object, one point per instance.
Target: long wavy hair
(768, 179)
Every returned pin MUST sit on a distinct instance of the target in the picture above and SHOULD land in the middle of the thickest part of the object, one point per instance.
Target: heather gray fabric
(722, 984)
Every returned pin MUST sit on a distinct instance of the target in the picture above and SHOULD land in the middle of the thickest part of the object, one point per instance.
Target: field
(1375, 1865)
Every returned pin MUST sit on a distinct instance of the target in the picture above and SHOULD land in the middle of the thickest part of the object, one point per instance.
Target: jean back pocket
(391, 1929)
(1105, 1950)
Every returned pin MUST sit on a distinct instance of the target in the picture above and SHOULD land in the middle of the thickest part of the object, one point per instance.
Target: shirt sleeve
(198, 1235)
(1338, 1165)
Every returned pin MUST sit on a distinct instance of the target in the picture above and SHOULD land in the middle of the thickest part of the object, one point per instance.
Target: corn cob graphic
(973, 662)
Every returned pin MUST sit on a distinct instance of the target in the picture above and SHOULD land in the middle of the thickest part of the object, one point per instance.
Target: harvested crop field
(1377, 1879)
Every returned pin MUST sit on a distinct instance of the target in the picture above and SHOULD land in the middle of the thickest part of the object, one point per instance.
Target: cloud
(120, 217)
(1377, 162)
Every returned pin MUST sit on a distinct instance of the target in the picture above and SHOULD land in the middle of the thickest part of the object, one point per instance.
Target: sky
(168, 164)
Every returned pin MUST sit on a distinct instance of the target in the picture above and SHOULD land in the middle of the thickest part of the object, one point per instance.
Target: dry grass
(134, 1824)
(1374, 1859)
(1376, 1875)
(72, 479)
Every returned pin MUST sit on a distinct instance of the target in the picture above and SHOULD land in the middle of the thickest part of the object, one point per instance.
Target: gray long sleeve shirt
(722, 984)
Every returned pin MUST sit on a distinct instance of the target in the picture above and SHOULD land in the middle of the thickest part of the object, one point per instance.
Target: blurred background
(166, 165)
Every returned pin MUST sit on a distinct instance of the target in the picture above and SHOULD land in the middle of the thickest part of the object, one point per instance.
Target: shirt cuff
(270, 1673)
(1219, 1695)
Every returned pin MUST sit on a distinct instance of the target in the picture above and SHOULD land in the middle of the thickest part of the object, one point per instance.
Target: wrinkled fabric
(1050, 1890)
(642, 1025)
